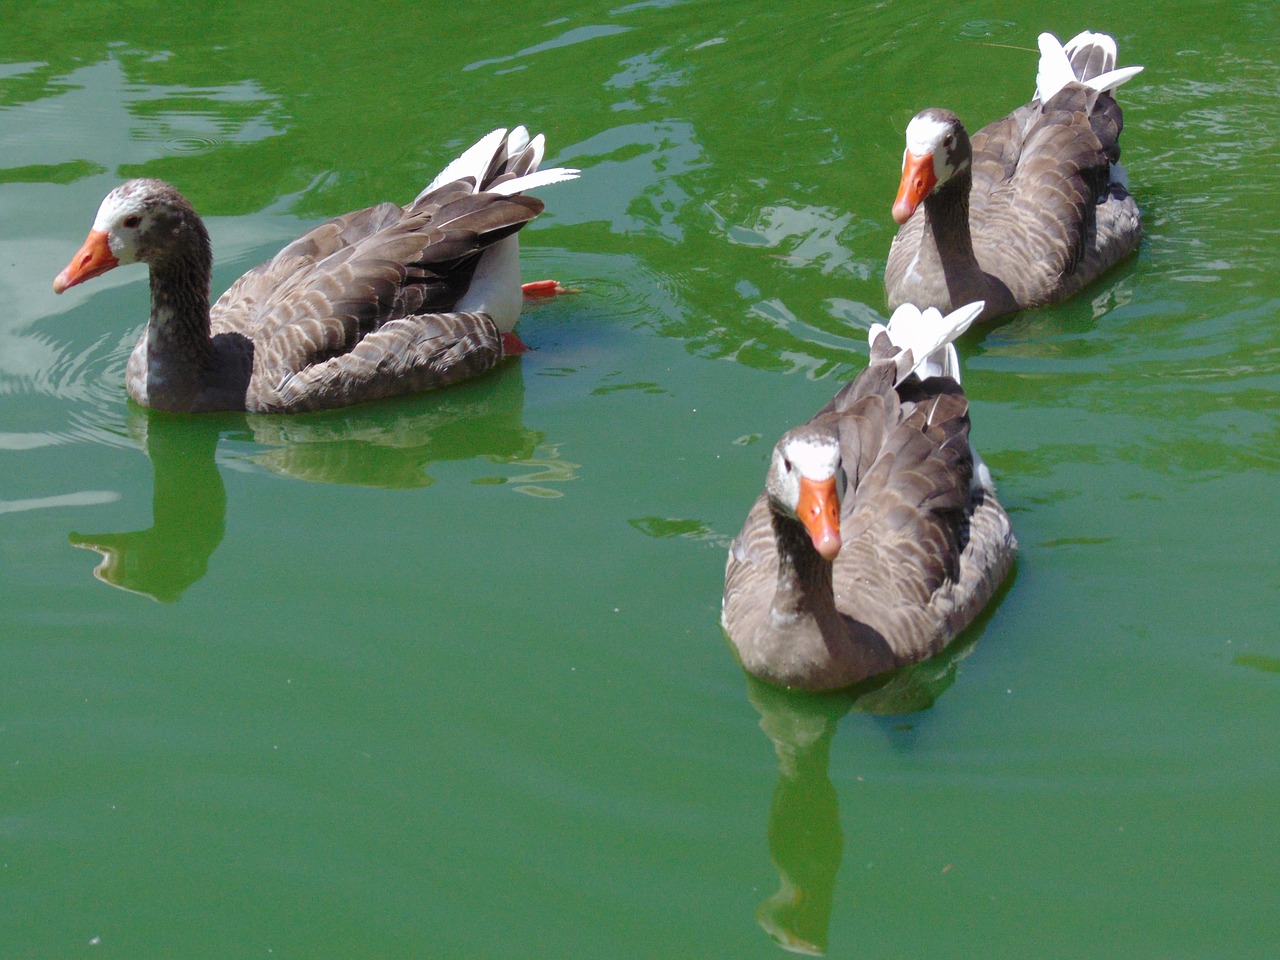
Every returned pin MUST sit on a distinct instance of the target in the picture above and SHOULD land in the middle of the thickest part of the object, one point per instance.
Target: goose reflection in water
(392, 444)
(389, 444)
(188, 506)
(806, 840)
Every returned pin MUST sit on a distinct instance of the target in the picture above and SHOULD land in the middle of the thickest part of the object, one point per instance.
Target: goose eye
(786, 464)
(948, 140)
(132, 221)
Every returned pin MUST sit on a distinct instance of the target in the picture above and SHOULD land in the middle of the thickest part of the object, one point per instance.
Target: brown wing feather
(910, 566)
(404, 355)
(330, 291)
(1040, 186)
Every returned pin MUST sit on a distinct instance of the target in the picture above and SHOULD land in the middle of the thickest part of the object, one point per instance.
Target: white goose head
(937, 149)
(806, 482)
(138, 222)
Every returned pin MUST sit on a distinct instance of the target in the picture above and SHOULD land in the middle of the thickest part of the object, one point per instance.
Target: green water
(443, 677)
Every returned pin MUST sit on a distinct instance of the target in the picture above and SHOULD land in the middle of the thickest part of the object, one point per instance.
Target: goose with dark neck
(382, 301)
(878, 537)
(1030, 209)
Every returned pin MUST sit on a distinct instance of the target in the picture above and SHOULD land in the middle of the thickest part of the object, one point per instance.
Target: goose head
(806, 483)
(937, 149)
(140, 221)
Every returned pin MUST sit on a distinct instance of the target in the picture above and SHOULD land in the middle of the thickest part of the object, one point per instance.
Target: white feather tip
(928, 335)
(1107, 82)
(1055, 70)
(531, 181)
(517, 140)
(472, 162)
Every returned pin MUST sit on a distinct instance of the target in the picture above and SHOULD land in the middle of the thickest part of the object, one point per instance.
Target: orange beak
(94, 258)
(819, 511)
(918, 181)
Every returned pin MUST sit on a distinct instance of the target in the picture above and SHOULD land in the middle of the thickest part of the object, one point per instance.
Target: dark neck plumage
(179, 327)
(946, 251)
(947, 219)
(804, 577)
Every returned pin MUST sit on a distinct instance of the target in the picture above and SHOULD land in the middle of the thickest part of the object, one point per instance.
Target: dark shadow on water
(389, 445)
(806, 840)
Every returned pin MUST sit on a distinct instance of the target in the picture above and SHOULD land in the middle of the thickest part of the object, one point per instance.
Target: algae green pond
(443, 677)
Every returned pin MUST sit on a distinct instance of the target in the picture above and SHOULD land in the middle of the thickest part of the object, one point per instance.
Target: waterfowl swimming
(878, 536)
(1032, 207)
(382, 301)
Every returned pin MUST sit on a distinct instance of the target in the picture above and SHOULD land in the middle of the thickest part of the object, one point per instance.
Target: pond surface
(442, 677)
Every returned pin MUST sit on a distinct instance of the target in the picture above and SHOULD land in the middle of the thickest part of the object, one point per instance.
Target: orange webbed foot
(545, 289)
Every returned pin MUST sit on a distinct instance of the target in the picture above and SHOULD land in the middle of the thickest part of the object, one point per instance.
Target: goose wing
(330, 300)
(1038, 177)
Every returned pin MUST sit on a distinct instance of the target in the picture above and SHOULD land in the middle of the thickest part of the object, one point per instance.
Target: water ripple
(192, 144)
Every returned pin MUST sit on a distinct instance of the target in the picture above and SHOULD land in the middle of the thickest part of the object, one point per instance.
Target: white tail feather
(473, 162)
(1107, 82)
(1055, 64)
(531, 180)
(476, 160)
(928, 335)
(1102, 41)
(1055, 68)
(538, 145)
(517, 141)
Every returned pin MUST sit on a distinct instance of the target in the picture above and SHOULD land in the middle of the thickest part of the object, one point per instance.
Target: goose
(382, 301)
(878, 536)
(1032, 208)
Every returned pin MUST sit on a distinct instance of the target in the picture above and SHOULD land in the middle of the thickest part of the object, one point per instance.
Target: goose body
(878, 536)
(1032, 208)
(374, 303)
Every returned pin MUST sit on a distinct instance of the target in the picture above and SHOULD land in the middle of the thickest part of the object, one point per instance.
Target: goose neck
(947, 210)
(179, 325)
(805, 587)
